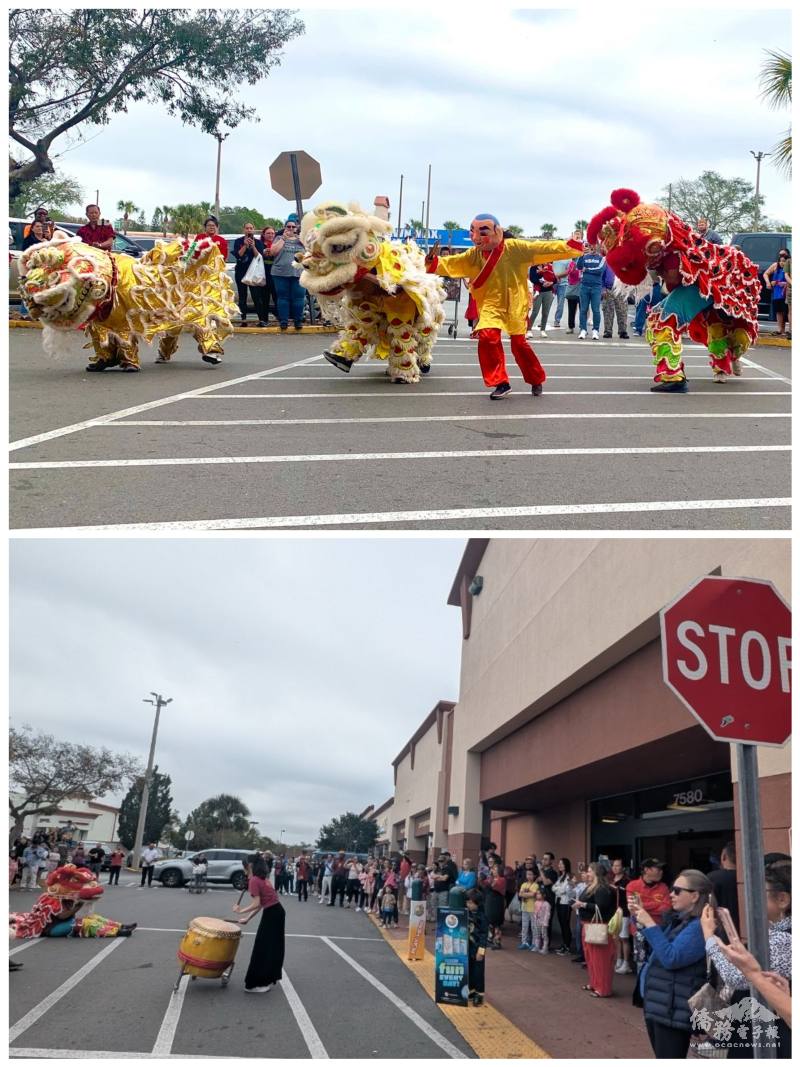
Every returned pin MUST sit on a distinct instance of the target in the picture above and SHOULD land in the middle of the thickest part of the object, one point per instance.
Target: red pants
(600, 960)
(493, 360)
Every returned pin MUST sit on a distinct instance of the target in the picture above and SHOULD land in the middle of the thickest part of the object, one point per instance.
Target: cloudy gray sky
(298, 668)
(534, 115)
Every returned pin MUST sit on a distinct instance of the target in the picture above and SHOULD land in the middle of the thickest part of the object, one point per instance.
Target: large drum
(208, 948)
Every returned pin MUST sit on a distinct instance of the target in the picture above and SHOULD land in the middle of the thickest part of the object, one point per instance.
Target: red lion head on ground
(633, 235)
(73, 883)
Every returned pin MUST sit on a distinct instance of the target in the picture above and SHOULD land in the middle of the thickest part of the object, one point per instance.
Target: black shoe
(97, 366)
(339, 362)
(127, 930)
(260, 323)
(14, 966)
(399, 381)
(209, 357)
(624, 336)
(477, 999)
(298, 329)
(426, 369)
(670, 387)
(606, 336)
(499, 391)
(536, 390)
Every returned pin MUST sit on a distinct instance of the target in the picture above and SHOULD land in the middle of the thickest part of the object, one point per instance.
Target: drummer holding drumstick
(266, 961)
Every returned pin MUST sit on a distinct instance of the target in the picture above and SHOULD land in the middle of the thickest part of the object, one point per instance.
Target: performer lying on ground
(55, 913)
(713, 290)
(118, 301)
(497, 269)
(377, 290)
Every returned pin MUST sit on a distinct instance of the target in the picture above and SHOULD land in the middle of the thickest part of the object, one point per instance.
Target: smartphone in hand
(728, 925)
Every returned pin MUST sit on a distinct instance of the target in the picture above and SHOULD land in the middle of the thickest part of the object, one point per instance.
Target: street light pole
(159, 703)
(758, 156)
(220, 138)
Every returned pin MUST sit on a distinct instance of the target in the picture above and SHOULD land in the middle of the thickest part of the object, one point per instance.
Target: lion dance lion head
(64, 281)
(339, 241)
(633, 235)
(73, 883)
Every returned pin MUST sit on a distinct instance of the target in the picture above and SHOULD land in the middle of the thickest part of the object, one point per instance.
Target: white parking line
(45, 1005)
(451, 418)
(550, 392)
(307, 1029)
(76, 427)
(347, 457)
(169, 1024)
(26, 944)
(765, 370)
(443, 515)
(437, 1038)
(252, 933)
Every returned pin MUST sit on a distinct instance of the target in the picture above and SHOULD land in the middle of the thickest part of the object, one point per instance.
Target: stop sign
(726, 650)
(308, 173)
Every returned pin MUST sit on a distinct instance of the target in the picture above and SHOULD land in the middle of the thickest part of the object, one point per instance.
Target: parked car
(107, 847)
(225, 865)
(121, 242)
(762, 248)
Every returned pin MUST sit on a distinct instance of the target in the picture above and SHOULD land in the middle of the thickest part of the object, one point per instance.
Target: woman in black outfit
(478, 937)
(494, 897)
(266, 961)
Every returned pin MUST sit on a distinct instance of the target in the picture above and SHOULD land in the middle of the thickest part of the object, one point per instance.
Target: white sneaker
(358, 909)
(259, 989)
(595, 335)
(625, 968)
(582, 335)
(544, 334)
(529, 333)
(618, 967)
(719, 377)
(737, 367)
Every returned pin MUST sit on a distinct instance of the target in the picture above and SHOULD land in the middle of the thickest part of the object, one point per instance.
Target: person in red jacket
(650, 893)
(212, 230)
(302, 873)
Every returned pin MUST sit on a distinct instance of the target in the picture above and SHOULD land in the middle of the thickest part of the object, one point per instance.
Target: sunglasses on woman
(675, 889)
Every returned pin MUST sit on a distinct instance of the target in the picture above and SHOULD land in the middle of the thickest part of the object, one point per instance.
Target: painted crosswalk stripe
(172, 1016)
(350, 457)
(426, 395)
(307, 1029)
(440, 515)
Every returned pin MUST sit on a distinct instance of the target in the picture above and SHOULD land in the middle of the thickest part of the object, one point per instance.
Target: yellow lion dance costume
(377, 290)
(118, 301)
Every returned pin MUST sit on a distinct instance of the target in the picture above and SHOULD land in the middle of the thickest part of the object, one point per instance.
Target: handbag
(596, 931)
(615, 923)
(708, 997)
(256, 275)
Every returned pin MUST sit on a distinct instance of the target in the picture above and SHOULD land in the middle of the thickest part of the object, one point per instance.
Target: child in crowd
(541, 923)
(478, 937)
(527, 902)
(388, 906)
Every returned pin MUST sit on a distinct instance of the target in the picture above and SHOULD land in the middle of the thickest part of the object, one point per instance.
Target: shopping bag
(256, 275)
(596, 931)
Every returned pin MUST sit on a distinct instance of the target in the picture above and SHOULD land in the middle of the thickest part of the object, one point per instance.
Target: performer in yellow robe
(497, 270)
(118, 301)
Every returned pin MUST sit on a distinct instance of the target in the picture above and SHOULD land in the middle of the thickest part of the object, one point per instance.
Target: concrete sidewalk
(542, 997)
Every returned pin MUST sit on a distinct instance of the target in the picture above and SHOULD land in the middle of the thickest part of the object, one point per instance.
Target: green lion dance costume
(377, 290)
(118, 301)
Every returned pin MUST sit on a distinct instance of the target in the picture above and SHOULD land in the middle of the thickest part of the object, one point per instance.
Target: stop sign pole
(735, 702)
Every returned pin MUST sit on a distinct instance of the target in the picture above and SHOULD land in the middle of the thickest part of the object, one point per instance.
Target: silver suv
(225, 865)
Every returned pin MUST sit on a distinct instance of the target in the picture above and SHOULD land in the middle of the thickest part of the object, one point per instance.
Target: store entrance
(683, 824)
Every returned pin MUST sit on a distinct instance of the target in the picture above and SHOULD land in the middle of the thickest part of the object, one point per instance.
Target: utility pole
(220, 137)
(158, 703)
(669, 199)
(428, 213)
(400, 209)
(758, 156)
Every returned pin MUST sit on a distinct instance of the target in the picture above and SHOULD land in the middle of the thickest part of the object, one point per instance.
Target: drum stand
(224, 978)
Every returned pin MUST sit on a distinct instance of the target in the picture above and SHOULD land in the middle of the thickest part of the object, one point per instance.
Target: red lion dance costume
(712, 290)
(55, 912)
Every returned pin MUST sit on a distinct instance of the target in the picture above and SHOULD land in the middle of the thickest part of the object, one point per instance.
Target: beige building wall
(417, 788)
(554, 614)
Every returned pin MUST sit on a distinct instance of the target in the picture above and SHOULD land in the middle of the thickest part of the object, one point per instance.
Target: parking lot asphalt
(345, 992)
(277, 438)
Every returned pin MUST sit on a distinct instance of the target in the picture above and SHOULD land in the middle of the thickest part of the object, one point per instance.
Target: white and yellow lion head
(63, 281)
(338, 241)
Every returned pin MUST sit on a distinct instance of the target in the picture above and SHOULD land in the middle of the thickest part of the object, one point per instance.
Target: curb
(486, 1030)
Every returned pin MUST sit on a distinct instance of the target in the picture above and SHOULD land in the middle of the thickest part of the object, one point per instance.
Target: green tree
(72, 68)
(232, 219)
(56, 191)
(451, 227)
(159, 809)
(729, 204)
(187, 219)
(221, 822)
(141, 221)
(548, 231)
(43, 772)
(581, 224)
(515, 231)
(166, 218)
(127, 207)
(348, 831)
(776, 89)
(417, 226)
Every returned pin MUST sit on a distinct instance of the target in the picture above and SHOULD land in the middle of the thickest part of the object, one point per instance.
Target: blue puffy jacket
(675, 970)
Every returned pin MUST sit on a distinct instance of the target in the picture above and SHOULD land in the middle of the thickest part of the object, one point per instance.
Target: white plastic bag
(256, 275)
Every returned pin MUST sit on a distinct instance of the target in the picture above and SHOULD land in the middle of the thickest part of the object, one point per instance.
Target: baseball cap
(653, 863)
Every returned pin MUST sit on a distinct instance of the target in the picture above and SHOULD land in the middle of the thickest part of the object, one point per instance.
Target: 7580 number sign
(691, 796)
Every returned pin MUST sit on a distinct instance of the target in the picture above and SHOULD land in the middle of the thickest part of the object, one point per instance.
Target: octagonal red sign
(726, 648)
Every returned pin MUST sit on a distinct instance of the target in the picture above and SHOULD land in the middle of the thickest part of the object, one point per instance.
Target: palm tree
(186, 219)
(581, 224)
(451, 227)
(548, 231)
(127, 207)
(776, 89)
(166, 214)
(417, 226)
(515, 231)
